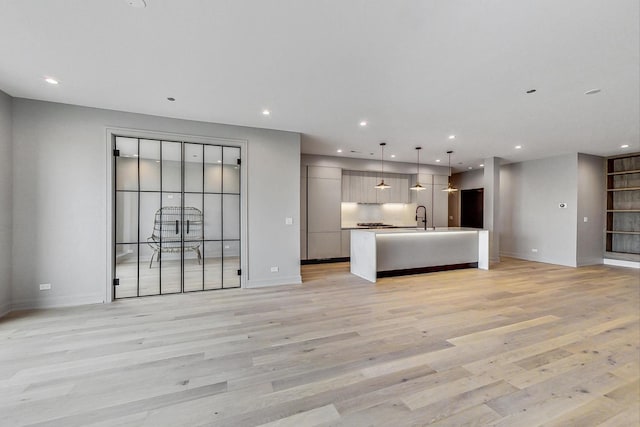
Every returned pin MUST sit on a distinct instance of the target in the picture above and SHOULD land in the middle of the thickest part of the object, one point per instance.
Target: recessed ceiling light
(624, 146)
(452, 137)
(363, 123)
(437, 160)
(470, 167)
(481, 165)
(135, 155)
(339, 150)
(531, 91)
(518, 147)
(137, 3)
(171, 99)
(266, 112)
(393, 156)
(592, 91)
(219, 161)
(51, 81)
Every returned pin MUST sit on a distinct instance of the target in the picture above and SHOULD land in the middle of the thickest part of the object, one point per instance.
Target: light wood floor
(523, 344)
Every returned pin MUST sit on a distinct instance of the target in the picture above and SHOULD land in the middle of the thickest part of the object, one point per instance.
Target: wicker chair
(167, 233)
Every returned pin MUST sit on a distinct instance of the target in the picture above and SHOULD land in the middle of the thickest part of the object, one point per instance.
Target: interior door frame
(110, 135)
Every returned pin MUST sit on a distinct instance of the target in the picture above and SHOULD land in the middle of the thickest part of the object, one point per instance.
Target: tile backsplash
(399, 214)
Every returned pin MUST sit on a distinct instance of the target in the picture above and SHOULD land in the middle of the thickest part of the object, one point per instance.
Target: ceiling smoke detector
(138, 4)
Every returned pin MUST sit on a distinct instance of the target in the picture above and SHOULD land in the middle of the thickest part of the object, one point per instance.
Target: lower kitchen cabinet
(324, 245)
(345, 243)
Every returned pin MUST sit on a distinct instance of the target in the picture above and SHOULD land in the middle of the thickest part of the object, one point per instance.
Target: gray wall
(5, 197)
(530, 193)
(60, 199)
(591, 204)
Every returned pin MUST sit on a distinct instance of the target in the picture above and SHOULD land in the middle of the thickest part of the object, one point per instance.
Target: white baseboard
(621, 263)
(288, 280)
(54, 302)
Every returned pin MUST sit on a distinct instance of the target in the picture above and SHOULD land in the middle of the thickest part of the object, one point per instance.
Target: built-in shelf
(622, 233)
(624, 172)
(624, 189)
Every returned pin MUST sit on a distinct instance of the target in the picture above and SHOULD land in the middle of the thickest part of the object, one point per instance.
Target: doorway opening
(472, 208)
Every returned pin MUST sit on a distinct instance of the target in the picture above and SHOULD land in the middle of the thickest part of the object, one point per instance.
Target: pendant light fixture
(417, 187)
(382, 185)
(450, 188)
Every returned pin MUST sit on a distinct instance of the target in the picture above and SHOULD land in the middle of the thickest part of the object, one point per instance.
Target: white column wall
(6, 183)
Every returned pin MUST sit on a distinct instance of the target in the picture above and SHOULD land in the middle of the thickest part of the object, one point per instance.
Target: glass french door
(176, 217)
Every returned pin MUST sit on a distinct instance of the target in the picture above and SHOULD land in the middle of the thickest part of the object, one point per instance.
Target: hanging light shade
(450, 188)
(382, 185)
(417, 186)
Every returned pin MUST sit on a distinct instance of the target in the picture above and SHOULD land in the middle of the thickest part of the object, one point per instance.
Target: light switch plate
(288, 221)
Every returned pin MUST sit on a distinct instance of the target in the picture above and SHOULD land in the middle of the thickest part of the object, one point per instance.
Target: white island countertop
(393, 251)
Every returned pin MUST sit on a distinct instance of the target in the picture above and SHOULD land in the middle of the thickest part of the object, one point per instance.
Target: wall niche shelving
(623, 207)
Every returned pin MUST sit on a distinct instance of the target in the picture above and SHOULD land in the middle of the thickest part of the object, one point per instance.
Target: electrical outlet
(534, 250)
(274, 269)
(45, 286)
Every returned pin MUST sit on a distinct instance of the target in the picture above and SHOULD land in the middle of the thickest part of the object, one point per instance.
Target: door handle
(177, 225)
(188, 223)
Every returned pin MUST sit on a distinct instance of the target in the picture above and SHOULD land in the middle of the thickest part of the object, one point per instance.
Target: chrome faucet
(421, 219)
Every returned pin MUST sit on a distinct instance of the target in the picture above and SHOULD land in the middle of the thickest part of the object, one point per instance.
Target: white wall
(529, 214)
(592, 196)
(60, 199)
(5, 207)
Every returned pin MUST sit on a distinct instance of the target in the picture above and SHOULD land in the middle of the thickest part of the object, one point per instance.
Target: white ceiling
(416, 70)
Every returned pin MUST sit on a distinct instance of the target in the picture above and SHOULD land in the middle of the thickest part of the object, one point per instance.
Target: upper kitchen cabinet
(359, 187)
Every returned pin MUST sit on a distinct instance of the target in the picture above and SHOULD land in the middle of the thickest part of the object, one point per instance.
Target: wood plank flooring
(523, 344)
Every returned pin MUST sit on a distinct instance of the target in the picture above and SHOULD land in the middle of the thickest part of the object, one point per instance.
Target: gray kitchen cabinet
(346, 188)
(433, 198)
(345, 243)
(441, 201)
(360, 187)
(323, 198)
(324, 245)
(368, 192)
(303, 212)
(323, 207)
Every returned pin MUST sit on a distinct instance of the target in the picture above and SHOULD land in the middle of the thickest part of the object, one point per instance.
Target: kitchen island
(389, 252)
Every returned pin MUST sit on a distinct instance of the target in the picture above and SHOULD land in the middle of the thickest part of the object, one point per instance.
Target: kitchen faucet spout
(421, 219)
